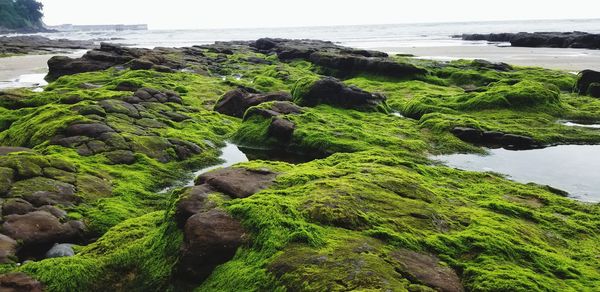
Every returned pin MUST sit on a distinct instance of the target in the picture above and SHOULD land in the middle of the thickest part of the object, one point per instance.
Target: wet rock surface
(426, 269)
(236, 102)
(332, 91)
(19, 282)
(577, 39)
(38, 44)
(238, 182)
(495, 139)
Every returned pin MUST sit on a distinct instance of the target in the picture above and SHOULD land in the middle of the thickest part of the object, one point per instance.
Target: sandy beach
(562, 59)
(13, 67)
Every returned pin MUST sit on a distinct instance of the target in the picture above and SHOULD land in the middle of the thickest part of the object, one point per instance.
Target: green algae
(329, 224)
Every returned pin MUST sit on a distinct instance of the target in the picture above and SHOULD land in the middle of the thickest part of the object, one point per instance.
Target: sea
(359, 36)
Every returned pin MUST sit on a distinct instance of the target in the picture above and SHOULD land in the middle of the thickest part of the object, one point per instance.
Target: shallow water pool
(573, 168)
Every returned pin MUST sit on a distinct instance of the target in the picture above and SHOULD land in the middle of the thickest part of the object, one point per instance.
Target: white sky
(190, 14)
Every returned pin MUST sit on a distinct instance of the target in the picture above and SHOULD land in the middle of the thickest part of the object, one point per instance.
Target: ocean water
(360, 36)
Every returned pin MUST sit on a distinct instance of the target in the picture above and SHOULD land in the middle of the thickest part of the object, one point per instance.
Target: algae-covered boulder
(8, 249)
(427, 269)
(594, 90)
(274, 109)
(235, 103)
(19, 282)
(6, 180)
(40, 227)
(238, 182)
(331, 91)
(211, 238)
(353, 64)
(521, 94)
(585, 79)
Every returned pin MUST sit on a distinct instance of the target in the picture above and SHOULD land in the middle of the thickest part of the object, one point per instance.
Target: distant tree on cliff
(21, 14)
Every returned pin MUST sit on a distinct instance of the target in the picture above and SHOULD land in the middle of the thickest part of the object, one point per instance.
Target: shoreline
(11, 68)
(550, 58)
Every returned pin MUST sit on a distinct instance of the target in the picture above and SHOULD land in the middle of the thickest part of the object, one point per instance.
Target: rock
(585, 79)
(89, 130)
(59, 174)
(56, 212)
(426, 269)
(155, 147)
(5, 150)
(39, 228)
(139, 64)
(352, 64)
(518, 142)
(120, 157)
(92, 110)
(333, 92)
(89, 86)
(175, 116)
(194, 200)
(468, 134)
(16, 207)
(494, 138)
(210, 239)
(127, 86)
(60, 65)
(276, 108)
(6, 179)
(594, 90)
(575, 39)
(489, 65)
(60, 250)
(8, 250)
(235, 103)
(19, 282)
(281, 129)
(237, 182)
(41, 191)
(119, 107)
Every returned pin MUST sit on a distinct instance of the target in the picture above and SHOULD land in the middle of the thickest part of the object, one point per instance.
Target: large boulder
(494, 139)
(93, 130)
(351, 64)
(587, 78)
(194, 200)
(210, 239)
(41, 228)
(329, 90)
(238, 182)
(41, 191)
(19, 282)
(427, 269)
(235, 103)
(281, 129)
(8, 249)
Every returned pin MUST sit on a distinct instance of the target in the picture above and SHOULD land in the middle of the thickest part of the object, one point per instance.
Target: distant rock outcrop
(577, 39)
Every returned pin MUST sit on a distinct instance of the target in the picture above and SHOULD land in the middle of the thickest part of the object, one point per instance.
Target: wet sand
(13, 67)
(562, 59)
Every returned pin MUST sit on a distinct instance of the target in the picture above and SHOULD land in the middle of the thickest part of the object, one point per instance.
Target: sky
(198, 14)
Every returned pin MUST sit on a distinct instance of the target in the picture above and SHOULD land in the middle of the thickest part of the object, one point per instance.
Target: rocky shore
(83, 162)
(20, 45)
(576, 40)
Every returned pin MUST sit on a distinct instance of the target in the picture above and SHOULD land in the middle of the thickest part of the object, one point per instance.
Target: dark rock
(92, 110)
(127, 86)
(6, 179)
(237, 182)
(276, 108)
(236, 102)
(97, 146)
(16, 207)
(19, 282)
(194, 200)
(426, 269)
(518, 142)
(210, 239)
(281, 129)
(89, 130)
(60, 251)
(594, 90)
(56, 212)
(5, 150)
(120, 107)
(175, 116)
(351, 64)
(164, 69)
(489, 65)
(333, 92)
(139, 64)
(60, 65)
(120, 157)
(8, 250)
(585, 79)
(132, 99)
(468, 134)
(39, 227)
(575, 39)
(41, 191)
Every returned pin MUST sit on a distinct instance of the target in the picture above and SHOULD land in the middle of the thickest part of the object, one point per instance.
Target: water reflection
(573, 168)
